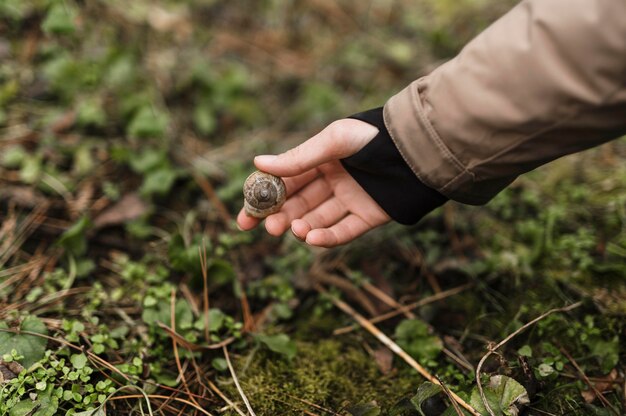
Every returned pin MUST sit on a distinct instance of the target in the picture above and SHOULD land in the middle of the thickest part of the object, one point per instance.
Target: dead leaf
(22, 196)
(130, 207)
(384, 359)
(603, 384)
(9, 371)
(64, 122)
(176, 21)
(81, 202)
(5, 49)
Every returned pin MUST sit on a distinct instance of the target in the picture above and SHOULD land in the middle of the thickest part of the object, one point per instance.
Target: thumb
(340, 139)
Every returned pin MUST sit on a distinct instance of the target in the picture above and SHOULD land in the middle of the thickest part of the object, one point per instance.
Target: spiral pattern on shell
(264, 194)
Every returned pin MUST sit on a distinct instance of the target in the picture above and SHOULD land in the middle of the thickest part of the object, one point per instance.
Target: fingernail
(265, 159)
(296, 235)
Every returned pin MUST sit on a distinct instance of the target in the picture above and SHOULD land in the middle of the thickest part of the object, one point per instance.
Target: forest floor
(126, 131)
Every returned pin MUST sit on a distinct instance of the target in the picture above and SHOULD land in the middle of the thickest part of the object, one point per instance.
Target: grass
(126, 131)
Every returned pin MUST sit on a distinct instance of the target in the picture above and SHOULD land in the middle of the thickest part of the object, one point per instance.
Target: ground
(126, 131)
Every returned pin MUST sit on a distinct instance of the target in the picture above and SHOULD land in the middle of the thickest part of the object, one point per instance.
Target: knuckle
(303, 204)
(337, 130)
(339, 135)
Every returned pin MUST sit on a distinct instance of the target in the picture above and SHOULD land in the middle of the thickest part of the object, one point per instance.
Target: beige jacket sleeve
(545, 80)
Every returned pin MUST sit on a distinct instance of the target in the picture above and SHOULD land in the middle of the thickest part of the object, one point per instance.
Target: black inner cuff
(382, 172)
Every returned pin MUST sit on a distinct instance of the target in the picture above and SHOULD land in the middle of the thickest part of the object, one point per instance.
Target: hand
(325, 207)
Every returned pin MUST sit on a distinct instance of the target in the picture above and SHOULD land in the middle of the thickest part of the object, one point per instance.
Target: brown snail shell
(263, 194)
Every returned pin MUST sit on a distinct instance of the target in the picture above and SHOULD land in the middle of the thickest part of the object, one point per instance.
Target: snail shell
(264, 194)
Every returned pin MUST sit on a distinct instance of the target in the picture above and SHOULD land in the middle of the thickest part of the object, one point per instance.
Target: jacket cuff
(382, 172)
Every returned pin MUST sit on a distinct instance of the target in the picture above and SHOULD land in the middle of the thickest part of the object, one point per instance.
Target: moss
(329, 373)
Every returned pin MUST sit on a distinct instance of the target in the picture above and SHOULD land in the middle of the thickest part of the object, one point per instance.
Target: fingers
(245, 222)
(298, 205)
(342, 232)
(340, 139)
(327, 214)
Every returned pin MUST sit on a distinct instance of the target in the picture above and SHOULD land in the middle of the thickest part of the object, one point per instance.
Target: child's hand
(325, 207)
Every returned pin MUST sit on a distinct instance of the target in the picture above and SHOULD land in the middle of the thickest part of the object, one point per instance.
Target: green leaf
(122, 72)
(216, 319)
(424, 392)
(606, 352)
(14, 9)
(23, 408)
(148, 160)
(158, 182)
(74, 239)
(592, 410)
(545, 369)
(204, 118)
(31, 169)
(220, 272)
(364, 409)
(413, 336)
(525, 351)
(161, 313)
(60, 19)
(31, 347)
(46, 405)
(78, 361)
(184, 258)
(91, 113)
(148, 122)
(83, 160)
(184, 314)
(92, 412)
(505, 396)
(219, 364)
(13, 157)
(280, 344)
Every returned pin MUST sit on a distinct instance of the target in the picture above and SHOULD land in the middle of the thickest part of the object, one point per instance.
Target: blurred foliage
(126, 131)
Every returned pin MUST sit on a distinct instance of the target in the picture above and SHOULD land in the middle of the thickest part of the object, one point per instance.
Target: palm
(351, 196)
(325, 206)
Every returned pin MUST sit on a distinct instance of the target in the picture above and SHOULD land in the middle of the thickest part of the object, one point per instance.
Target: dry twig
(175, 347)
(388, 342)
(405, 308)
(158, 396)
(507, 339)
(205, 290)
(226, 399)
(591, 385)
(386, 299)
(209, 191)
(448, 393)
(191, 346)
(236, 380)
